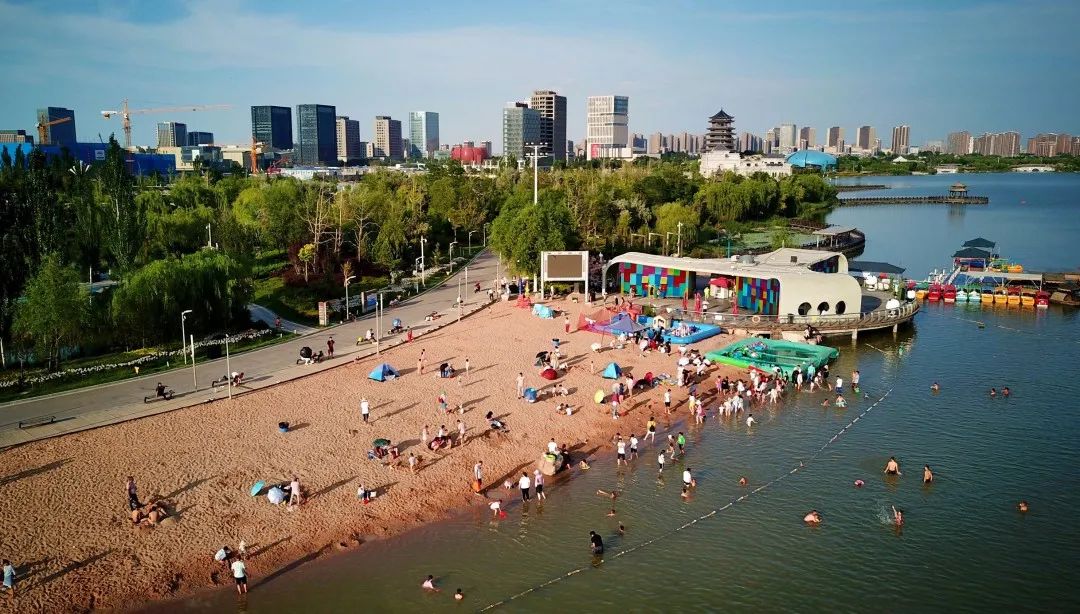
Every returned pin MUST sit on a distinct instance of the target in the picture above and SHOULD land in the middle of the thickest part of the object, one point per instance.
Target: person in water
(1022, 507)
(927, 475)
(935, 387)
(1005, 391)
(898, 517)
(812, 517)
(993, 392)
(596, 545)
(892, 467)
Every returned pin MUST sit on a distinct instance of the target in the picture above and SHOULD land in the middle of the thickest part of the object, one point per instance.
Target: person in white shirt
(839, 384)
(633, 446)
(365, 408)
(524, 483)
(660, 462)
(687, 482)
(553, 448)
(750, 421)
(239, 572)
(538, 482)
(620, 447)
(495, 507)
(429, 584)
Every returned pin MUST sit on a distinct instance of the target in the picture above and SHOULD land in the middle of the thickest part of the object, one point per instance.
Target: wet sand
(64, 507)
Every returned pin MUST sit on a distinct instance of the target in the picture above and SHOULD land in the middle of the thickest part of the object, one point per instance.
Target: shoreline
(84, 553)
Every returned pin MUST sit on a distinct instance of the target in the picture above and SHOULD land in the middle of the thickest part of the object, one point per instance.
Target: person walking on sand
(478, 476)
(412, 463)
(9, 579)
(330, 347)
(524, 483)
(462, 437)
(365, 409)
(424, 435)
(538, 482)
(667, 401)
(132, 493)
(408, 335)
(295, 497)
(239, 573)
(520, 384)
(566, 323)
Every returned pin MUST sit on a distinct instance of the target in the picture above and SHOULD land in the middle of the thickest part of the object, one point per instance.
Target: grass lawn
(120, 373)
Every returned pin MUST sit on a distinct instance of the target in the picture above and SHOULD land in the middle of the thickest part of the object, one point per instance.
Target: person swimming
(596, 544)
(935, 387)
(1022, 507)
(993, 392)
(927, 475)
(812, 517)
(892, 467)
(1005, 391)
(898, 517)
(742, 481)
(859, 483)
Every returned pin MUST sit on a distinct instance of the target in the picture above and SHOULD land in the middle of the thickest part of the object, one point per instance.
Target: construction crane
(43, 129)
(125, 113)
(256, 148)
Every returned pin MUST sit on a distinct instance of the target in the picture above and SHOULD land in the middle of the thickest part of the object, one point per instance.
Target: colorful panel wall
(760, 296)
(646, 280)
(829, 265)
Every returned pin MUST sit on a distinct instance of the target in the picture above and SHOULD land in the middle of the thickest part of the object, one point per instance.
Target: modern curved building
(810, 158)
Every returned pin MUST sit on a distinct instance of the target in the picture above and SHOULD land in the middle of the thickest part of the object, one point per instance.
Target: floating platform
(770, 354)
(914, 200)
(698, 330)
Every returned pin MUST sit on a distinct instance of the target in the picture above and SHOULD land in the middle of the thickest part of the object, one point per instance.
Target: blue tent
(530, 395)
(613, 371)
(382, 373)
(626, 325)
(543, 311)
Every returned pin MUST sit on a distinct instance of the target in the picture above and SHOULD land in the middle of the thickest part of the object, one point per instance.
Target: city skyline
(113, 50)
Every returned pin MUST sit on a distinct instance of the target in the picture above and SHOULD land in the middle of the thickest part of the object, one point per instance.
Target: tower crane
(125, 113)
(43, 128)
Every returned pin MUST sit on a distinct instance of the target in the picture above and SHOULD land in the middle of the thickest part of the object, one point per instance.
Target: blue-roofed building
(810, 158)
(90, 153)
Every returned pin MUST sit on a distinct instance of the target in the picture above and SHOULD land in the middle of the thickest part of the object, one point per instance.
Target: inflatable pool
(768, 354)
(697, 331)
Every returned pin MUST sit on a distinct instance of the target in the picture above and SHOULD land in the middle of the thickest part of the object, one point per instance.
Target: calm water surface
(965, 547)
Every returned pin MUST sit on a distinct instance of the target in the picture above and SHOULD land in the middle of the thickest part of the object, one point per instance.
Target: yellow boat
(1027, 300)
(920, 295)
(1014, 296)
(1000, 298)
(987, 298)
(1016, 268)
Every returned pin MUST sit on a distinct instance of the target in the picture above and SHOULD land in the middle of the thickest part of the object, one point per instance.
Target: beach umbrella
(549, 374)
(275, 496)
(257, 487)
(379, 443)
(599, 396)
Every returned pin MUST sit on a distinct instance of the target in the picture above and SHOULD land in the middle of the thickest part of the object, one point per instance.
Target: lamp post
(649, 239)
(667, 236)
(228, 365)
(678, 245)
(422, 261)
(347, 280)
(183, 333)
(536, 167)
(452, 244)
(470, 240)
(209, 237)
(486, 224)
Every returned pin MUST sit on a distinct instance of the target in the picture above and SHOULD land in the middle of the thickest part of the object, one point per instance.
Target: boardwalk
(914, 200)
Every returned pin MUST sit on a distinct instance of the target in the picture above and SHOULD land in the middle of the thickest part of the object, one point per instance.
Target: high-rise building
(520, 126)
(1050, 144)
(836, 136)
(1064, 144)
(721, 133)
(423, 134)
(272, 126)
(15, 136)
(959, 143)
(388, 143)
(656, 143)
(1005, 144)
(316, 135)
(552, 110)
(789, 137)
(606, 124)
(62, 132)
(769, 143)
(487, 147)
(348, 140)
(807, 137)
(196, 137)
(934, 146)
(172, 134)
(866, 137)
(901, 139)
(750, 142)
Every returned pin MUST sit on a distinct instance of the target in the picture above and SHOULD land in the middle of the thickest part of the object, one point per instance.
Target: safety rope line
(1003, 327)
(741, 498)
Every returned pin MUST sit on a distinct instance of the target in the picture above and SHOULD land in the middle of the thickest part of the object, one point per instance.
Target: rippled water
(965, 547)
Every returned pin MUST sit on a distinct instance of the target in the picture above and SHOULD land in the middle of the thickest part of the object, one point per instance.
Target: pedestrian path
(264, 315)
(85, 408)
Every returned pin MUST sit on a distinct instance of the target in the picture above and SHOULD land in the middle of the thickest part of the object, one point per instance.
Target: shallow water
(964, 547)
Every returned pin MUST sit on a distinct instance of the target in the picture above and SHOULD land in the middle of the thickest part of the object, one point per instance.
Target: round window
(841, 307)
(804, 309)
(823, 307)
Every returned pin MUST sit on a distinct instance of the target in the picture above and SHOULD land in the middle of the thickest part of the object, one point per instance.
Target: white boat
(974, 297)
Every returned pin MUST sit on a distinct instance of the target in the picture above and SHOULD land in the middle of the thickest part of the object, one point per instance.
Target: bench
(39, 421)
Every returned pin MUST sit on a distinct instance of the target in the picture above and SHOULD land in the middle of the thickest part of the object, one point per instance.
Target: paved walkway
(87, 408)
(262, 314)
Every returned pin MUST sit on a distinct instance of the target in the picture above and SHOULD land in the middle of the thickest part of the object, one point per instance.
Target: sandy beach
(65, 512)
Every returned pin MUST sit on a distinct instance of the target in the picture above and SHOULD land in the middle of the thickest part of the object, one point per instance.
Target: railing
(871, 319)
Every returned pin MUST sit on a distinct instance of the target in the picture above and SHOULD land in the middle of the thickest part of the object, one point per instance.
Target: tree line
(193, 241)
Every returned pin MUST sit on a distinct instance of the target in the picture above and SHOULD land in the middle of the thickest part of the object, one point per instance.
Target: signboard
(324, 314)
(564, 266)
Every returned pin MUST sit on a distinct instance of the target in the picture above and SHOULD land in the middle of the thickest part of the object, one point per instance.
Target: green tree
(53, 310)
(126, 218)
(668, 217)
(306, 256)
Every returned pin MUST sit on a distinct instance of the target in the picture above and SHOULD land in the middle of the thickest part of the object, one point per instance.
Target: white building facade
(606, 125)
(718, 162)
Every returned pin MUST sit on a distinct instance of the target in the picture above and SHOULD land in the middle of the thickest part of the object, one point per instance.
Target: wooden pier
(958, 195)
(849, 187)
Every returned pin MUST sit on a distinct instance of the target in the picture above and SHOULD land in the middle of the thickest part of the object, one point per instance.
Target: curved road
(110, 403)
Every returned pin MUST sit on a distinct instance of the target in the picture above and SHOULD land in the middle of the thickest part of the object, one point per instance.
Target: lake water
(964, 548)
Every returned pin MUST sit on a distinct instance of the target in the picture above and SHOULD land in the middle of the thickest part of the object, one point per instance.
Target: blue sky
(937, 66)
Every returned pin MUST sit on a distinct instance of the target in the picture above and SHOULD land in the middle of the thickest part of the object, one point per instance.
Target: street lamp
(452, 244)
(678, 246)
(486, 224)
(536, 167)
(209, 237)
(470, 240)
(347, 280)
(667, 236)
(183, 333)
(649, 239)
(422, 261)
